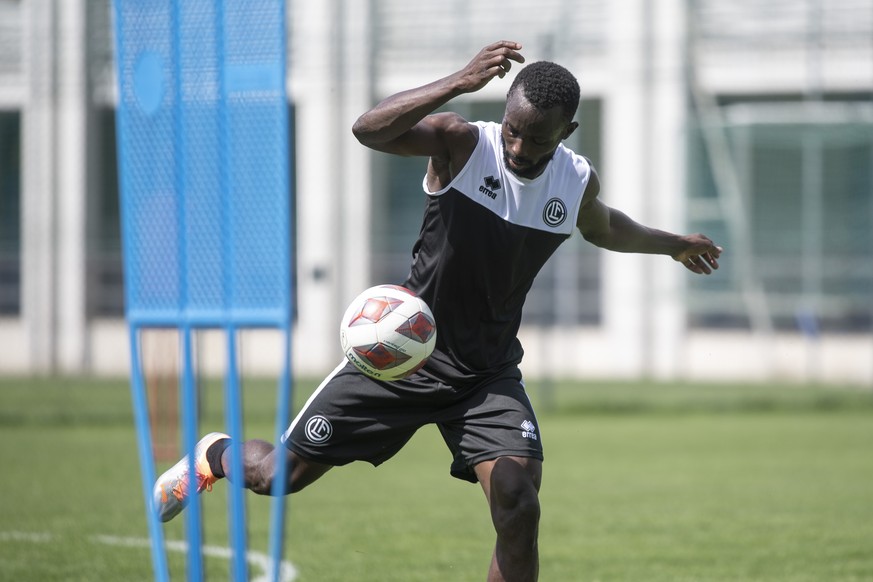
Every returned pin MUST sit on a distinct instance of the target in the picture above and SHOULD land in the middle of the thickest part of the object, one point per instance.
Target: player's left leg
(511, 486)
(493, 434)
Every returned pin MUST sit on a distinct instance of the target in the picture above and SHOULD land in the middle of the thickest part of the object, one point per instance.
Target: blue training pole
(146, 458)
(283, 413)
(233, 416)
(203, 166)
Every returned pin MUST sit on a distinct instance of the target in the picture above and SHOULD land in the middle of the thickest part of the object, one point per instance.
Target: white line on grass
(25, 536)
(287, 571)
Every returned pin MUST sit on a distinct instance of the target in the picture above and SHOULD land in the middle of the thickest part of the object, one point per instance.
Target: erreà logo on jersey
(491, 184)
(554, 212)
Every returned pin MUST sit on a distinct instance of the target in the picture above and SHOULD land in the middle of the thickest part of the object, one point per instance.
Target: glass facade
(105, 280)
(806, 206)
(10, 213)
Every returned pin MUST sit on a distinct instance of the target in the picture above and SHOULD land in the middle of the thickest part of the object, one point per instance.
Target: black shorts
(351, 417)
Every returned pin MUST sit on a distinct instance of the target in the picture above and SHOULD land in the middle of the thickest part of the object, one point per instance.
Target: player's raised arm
(613, 230)
(398, 124)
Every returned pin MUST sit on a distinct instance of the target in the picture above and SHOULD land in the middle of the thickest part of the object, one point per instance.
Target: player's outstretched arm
(398, 124)
(614, 230)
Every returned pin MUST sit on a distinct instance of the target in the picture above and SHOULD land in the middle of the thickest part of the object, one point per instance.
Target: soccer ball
(387, 332)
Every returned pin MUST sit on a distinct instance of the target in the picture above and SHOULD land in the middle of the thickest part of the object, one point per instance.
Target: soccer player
(500, 198)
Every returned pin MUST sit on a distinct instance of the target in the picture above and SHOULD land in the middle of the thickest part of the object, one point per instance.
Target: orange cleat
(171, 489)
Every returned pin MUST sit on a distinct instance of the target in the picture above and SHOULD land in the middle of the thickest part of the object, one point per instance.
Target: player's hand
(700, 256)
(495, 60)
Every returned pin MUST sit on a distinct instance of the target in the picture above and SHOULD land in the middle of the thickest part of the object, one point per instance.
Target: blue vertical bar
(283, 405)
(232, 408)
(189, 438)
(146, 459)
(233, 412)
(139, 104)
(283, 410)
(189, 397)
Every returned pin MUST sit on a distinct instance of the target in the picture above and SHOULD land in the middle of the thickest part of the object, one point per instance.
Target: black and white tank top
(482, 242)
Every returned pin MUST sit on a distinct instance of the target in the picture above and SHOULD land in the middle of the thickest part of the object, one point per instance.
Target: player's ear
(570, 129)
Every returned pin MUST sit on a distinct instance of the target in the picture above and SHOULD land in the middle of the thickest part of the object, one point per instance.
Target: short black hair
(546, 84)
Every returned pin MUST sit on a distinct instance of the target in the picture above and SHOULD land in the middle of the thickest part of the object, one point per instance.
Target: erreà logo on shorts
(528, 430)
(554, 213)
(318, 429)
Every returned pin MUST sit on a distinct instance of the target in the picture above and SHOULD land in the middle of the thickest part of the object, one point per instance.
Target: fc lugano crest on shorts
(351, 417)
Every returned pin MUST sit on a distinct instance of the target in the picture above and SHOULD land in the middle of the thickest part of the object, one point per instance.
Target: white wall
(585, 353)
(636, 65)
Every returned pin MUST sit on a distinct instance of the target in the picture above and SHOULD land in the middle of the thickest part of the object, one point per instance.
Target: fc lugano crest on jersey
(485, 237)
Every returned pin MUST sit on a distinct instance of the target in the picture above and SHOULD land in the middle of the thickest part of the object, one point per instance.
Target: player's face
(531, 136)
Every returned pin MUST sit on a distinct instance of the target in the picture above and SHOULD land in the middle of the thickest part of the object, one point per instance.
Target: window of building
(10, 213)
(800, 229)
(105, 279)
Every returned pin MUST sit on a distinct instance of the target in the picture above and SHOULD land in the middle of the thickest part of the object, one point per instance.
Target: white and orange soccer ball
(388, 332)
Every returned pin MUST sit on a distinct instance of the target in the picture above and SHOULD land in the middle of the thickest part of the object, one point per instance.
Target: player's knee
(299, 473)
(515, 506)
(260, 479)
(303, 473)
(522, 514)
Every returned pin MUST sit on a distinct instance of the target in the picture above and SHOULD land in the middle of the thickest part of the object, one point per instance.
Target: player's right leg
(212, 461)
(260, 464)
(335, 426)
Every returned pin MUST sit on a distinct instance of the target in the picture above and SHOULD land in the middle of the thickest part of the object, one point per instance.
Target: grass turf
(642, 482)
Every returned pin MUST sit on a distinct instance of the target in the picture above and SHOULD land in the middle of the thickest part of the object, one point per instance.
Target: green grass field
(642, 483)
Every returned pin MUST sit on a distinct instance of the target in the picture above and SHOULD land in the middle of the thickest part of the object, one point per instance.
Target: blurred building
(749, 121)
